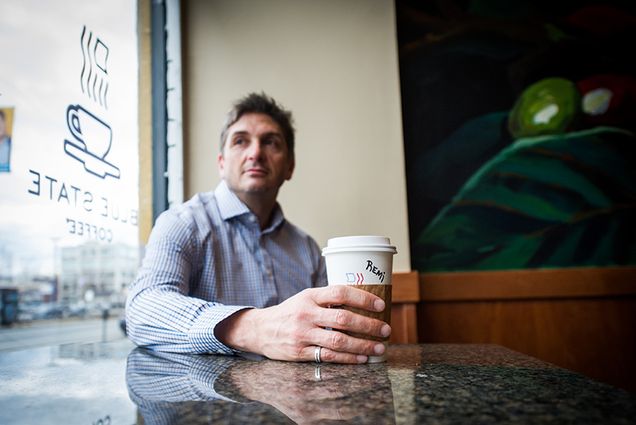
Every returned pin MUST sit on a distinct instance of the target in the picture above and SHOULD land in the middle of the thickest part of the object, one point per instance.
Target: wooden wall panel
(592, 331)
(405, 296)
(404, 324)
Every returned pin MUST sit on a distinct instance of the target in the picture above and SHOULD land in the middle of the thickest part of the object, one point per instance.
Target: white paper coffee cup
(362, 261)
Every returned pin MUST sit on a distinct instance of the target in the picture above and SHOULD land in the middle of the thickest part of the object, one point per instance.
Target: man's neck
(261, 204)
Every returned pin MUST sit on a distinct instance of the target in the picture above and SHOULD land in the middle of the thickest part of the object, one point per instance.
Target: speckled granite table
(441, 384)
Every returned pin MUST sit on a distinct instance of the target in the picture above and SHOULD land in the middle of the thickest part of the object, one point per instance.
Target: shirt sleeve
(160, 314)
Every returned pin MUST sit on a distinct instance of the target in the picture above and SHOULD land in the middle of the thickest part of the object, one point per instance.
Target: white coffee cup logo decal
(357, 278)
(93, 138)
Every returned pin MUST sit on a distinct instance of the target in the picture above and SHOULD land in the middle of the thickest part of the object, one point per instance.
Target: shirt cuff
(201, 334)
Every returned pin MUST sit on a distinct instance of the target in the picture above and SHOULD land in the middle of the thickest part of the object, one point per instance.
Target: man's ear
(220, 162)
(290, 170)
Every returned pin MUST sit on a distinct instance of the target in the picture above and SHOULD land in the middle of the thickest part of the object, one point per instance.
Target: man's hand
(293, 329)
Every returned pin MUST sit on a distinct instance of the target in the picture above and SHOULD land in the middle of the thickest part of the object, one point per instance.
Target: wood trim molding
(527, 284)
(145, 120)
(406, 287)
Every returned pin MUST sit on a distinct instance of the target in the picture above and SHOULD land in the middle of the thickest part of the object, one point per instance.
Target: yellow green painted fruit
(549, 106)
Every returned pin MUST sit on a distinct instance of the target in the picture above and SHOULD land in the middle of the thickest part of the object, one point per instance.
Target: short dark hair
(255, 103)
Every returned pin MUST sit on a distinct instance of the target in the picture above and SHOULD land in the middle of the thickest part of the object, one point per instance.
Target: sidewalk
(59, 331)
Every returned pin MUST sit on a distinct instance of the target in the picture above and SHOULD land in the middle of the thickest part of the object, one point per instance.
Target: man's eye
(273, 141)
(239, 141)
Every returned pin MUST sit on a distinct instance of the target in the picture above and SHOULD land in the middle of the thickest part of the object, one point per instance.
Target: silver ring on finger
(317, 354)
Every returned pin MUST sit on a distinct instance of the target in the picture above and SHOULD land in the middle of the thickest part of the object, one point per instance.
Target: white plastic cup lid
(359, 243)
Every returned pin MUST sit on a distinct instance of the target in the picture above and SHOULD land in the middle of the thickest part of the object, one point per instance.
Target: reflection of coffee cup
(365, 262)
(89, 130)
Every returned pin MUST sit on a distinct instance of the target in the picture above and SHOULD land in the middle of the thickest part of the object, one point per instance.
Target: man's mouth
(256, 171)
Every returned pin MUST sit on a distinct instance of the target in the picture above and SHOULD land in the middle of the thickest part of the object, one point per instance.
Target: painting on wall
(519, 129)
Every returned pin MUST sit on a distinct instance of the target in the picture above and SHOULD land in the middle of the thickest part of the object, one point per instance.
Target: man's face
(255, 157)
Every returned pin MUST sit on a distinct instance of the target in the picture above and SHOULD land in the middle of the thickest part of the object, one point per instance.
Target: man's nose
(255, 150)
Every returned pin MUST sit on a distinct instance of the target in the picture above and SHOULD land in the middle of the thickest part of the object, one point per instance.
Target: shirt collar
(231, 206)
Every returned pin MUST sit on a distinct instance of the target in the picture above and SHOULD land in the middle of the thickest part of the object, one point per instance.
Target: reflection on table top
(418, 383)
(439, 383)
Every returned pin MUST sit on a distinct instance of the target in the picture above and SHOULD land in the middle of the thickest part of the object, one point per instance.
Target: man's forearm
(165, 320)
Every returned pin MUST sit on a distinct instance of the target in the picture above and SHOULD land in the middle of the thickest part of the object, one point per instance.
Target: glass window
(69, 160)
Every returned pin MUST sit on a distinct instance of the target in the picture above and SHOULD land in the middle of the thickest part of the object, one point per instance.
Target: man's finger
(340, 342)
(347, 295)
(330, 356)
(345, 320)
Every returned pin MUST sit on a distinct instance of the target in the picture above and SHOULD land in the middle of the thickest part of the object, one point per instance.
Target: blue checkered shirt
(207, 259)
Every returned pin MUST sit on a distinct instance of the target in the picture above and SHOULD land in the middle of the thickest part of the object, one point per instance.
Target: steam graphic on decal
(92, 135)
(94, 76)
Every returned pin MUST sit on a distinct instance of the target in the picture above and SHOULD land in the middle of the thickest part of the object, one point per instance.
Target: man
(226, 273)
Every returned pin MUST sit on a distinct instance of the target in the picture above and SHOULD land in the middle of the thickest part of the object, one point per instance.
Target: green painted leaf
(553, 201)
